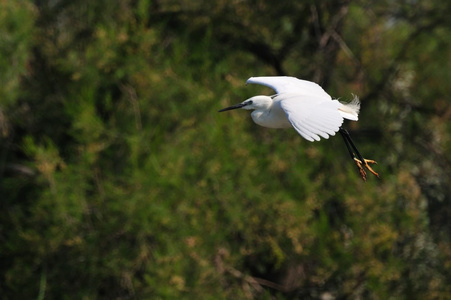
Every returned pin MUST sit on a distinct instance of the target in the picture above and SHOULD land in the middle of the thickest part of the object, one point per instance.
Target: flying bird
(305, 106)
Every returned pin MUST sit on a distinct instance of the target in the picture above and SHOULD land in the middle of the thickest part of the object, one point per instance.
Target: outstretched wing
(287, 84)
(312, 117)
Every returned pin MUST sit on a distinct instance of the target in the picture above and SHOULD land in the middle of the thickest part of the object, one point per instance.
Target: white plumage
(301, 104)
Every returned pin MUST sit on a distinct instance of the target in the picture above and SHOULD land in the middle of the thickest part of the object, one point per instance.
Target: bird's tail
(350, 110)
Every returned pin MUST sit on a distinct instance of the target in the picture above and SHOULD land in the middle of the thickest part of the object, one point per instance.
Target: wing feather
(312, 117)
(303, 132)
(324, 128)
(318, 130)
(287, 84)
(307, 132)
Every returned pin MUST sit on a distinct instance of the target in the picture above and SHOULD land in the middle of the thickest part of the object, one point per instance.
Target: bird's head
(256, 102)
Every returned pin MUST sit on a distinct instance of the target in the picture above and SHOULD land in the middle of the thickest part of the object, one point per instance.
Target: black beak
(233, 107)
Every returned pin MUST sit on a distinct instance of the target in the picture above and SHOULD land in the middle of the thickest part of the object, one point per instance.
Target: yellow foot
(366, 163)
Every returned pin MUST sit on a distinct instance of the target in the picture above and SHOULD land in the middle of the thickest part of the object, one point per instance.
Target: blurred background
(119, 179)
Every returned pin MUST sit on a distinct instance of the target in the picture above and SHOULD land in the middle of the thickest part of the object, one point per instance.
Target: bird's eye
(249, 102)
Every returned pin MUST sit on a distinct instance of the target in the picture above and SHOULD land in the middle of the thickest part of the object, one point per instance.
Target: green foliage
(119, 180)
(16, 29)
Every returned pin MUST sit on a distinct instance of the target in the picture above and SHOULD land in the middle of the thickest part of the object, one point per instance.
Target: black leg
(344, 136)
(349, 142)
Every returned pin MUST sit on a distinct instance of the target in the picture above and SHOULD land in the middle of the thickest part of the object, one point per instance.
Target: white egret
(305, 106)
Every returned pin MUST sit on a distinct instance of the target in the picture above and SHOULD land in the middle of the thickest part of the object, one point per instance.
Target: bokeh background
(119, 179)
